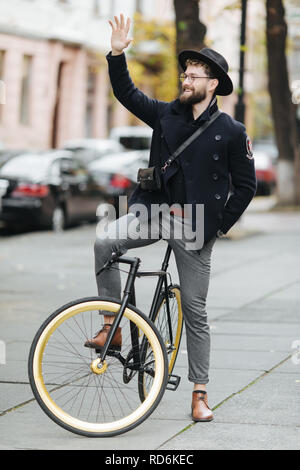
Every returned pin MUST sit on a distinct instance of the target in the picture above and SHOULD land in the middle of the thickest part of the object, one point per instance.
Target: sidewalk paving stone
(263, 416)
(254, 315)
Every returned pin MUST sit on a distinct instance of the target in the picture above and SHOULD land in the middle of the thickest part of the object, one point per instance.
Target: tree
(190, 32)
(283, 109)
(155, 69)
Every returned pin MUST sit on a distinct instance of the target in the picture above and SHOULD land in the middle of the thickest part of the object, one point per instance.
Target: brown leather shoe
(200, 408)
(99, 340)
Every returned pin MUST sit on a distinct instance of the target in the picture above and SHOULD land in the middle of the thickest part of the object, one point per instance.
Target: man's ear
(213, 84)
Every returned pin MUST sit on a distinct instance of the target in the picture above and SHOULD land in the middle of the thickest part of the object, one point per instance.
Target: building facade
(53, 67)
(52, 63)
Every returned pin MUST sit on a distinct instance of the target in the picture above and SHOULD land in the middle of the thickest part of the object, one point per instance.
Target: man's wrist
(114, 52)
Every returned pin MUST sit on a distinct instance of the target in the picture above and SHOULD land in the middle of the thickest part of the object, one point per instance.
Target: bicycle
(105, 392)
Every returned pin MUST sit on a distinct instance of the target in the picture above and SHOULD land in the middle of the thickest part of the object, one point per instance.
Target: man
(200, 176)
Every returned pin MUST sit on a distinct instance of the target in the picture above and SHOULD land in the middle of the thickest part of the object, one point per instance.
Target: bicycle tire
(48, 350)
(161, 322)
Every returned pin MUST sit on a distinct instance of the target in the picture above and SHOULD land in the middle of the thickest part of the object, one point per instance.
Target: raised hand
(119, 40)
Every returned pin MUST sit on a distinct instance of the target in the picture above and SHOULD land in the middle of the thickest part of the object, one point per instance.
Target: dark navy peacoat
(220, 155)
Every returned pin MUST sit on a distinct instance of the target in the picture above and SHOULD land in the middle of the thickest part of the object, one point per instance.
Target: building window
(2, 83)
(90, 101)
(2, 58)
(25, 89)
(138, 6)
(97, 8)
(104, 9)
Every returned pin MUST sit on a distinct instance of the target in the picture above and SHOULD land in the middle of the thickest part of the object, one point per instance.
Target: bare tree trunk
(190, 32)
(283, 110)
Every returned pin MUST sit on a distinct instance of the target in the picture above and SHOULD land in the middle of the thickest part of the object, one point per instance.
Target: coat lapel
(177, 127)
(175, 131)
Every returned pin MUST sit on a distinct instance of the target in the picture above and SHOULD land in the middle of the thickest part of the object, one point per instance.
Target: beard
(193, 97)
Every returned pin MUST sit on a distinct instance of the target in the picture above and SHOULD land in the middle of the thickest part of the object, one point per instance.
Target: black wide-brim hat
(217, 63)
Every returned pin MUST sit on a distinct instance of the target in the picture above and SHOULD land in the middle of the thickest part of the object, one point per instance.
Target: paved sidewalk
(254, 311)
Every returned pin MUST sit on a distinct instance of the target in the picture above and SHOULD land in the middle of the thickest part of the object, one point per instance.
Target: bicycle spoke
(88, 389)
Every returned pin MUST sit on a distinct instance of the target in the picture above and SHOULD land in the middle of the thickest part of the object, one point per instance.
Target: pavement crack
(282, 425)
(250, 384)
(16, 407)
(11, 382)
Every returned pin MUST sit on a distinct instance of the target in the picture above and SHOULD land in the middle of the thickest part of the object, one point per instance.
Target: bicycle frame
(129, 295)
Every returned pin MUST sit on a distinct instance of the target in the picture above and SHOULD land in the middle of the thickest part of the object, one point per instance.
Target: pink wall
(46, 59)
(47, 55)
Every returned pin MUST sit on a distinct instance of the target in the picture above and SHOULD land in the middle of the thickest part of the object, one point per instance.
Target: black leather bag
(150, 179)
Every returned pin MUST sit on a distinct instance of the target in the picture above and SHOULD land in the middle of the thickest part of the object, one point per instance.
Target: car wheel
(58, 222)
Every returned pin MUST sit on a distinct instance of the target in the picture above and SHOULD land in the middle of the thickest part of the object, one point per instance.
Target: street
(254, 315)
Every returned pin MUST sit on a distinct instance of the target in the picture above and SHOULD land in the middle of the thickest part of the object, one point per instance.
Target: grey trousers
(193, 270)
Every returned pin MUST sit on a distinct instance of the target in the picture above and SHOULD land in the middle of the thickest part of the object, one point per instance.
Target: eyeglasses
(191, 78)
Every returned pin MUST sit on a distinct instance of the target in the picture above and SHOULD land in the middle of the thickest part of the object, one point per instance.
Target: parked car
(117, 176)
(265, 157)
(268, 147)
(48, 189)
(88, 150)
(132, 137)
(7, 154)
(265, 174)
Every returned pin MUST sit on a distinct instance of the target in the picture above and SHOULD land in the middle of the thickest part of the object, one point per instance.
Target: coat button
(217, 196)
(216, 156)
(215, 176)
(218, 137)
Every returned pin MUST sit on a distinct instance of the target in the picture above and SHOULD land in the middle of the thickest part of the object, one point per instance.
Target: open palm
(119, 40)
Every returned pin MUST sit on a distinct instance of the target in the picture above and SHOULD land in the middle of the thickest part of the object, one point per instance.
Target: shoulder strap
(191, 139)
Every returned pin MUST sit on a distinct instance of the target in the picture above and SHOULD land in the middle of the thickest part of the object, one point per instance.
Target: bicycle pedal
(173, 382)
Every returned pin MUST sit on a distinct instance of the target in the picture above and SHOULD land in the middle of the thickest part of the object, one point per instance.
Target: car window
(55, 169)
(136, 143)
(73, 169)
(68, 167)
(86, 155)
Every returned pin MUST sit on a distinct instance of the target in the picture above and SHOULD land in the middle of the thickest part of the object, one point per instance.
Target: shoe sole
(202, 420)
(96, 346)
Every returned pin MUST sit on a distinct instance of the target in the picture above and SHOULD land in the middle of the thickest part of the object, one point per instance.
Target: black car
(117, 175)
(47, 189)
